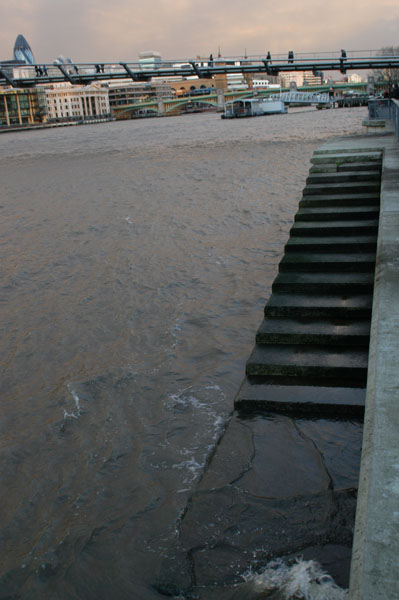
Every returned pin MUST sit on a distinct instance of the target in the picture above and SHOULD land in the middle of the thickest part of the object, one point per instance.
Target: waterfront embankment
(375, 559)
(258, 501)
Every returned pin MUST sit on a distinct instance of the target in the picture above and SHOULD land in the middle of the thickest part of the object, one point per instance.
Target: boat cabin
(253, 107)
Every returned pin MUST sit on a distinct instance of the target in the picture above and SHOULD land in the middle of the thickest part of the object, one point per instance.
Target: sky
(117, 30)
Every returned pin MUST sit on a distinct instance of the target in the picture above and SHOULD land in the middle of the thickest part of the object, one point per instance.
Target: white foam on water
(73, 415)
(304, 580)
(196, 455)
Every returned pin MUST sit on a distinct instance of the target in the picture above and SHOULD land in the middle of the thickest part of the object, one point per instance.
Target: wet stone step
(364, 243)
(343, 177)
(301, 361)
(354, 199)
(317, 305)
(341, 188)
(345, 151)
(311, 349)
(366, 166)
(335, 401)
(345, 157)
(345, 228)
(314, 330)
(335, 213)
(324, 282)
(336, 168)
(355, 262)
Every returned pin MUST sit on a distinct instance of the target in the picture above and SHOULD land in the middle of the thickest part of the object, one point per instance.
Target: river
(136, 259)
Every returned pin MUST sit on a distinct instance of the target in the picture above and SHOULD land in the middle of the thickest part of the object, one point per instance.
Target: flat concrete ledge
(375, 558)
(373, 124)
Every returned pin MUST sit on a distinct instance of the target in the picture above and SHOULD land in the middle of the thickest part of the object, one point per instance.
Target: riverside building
(22, 107)
(301, 78)
(70, 102)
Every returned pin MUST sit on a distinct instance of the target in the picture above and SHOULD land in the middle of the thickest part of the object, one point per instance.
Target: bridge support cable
(129, 71)
(8, 79)
(67, 76)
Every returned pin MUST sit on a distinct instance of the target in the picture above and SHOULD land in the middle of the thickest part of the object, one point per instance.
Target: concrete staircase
(311, 350)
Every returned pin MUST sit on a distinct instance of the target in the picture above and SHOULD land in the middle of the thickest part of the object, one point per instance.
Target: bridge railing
(302, 97)
(385, 108)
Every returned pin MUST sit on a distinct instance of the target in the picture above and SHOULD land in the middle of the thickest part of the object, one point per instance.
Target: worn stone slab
(350, 199)
(343, 177)
(314, 330)
(341, 188)
(314, 400)
(364, 243)
(323, 282)
(338, 168)
(340, 149)
(337, 213)
(366, 166)
(324, 168)
(333, 364)
(354, 262)
(345, 228)
(243, 512)
(317, 305)
(345, 157)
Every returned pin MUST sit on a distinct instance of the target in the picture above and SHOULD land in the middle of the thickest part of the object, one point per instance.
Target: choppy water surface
(136, 261)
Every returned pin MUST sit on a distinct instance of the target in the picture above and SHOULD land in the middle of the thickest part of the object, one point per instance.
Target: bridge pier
(161, 107)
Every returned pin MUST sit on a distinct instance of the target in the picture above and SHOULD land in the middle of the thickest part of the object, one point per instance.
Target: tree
(388, 74)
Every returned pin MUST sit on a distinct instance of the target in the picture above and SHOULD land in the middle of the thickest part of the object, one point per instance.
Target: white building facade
(72, 102)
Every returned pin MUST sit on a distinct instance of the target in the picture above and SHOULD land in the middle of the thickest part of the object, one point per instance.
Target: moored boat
(253, 107)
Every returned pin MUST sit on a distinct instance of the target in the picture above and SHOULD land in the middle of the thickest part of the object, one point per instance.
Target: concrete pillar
(161, 107)
(221, 100)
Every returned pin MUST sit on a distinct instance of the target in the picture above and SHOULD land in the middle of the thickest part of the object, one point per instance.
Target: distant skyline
(99, 30)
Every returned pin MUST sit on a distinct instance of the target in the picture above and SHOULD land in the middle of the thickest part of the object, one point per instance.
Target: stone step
(360, 199)
(358, 187)
(345, 157)
(339, 365)
(326, 283)
(364, 243)
(314, 330)
(343, 177)
(311, 351)
(346, 152)
(355, 262)
(318, 305)
(314, 400)
(336, 213)
(339, 168)
(366, 166)
(344, 228)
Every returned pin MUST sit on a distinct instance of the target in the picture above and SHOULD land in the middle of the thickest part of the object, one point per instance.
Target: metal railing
(85, 73)
(385, 108)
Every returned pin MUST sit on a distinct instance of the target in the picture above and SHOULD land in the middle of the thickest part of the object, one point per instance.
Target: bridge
(86, 73)
(216, 99)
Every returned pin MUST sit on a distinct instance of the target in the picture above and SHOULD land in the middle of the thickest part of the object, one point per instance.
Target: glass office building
(22, 51)
(22, 107)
